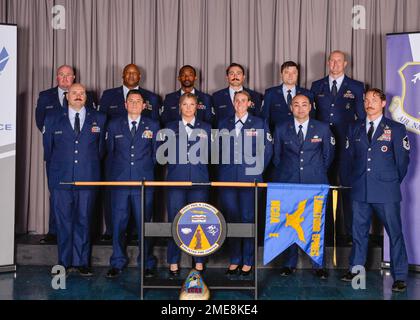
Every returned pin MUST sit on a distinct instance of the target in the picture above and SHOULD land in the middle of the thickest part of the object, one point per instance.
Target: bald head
(76, 96)
(131, 76)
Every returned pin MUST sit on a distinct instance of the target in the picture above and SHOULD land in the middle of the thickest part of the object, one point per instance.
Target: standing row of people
(304, 149)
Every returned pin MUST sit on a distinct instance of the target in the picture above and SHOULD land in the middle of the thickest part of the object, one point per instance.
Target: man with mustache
(48, 101)
(223, 99)
(74, 143)
(170, 110)
(377, 157)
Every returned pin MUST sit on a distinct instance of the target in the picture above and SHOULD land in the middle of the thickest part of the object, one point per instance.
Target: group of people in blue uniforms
(335, 133)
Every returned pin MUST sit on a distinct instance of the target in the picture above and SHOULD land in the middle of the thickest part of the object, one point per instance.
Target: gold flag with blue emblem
(295, 214)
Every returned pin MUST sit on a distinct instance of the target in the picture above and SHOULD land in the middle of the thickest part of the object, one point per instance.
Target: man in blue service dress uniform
(112, 103)
(170, 110)
(303, 152)
(247, 141)
(113, 100)
(49, 101)
(191, 132)
(131, 144)
(74, 142)
(338, 102)
(223, 99)
(277, 100)
(377, 156)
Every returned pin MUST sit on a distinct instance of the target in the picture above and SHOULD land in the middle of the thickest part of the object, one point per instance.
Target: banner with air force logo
(295, 214)
(403, 97)
(8, 68)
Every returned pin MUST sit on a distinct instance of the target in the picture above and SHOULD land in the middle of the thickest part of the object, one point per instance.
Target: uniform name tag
(119, 136)
(58, 132)
(147, 134)
(251, 133)
(113, 107)
(222, 106)
(49, 107)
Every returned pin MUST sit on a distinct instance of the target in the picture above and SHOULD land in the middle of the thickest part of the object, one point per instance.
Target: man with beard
(170, 110)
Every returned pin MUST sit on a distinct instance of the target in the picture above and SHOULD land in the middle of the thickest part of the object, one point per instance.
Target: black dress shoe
(399, 286)
(149, 273)
(233, 272)
(286, 271)
(246, 273)
(348, 276)
(85, 271)
(321, 273)
(105, 237)
(49, 239)
(173, 273)
(113, 273)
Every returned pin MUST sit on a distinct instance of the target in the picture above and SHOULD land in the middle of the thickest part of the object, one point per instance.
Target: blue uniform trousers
(177, 199)
(73, 215)
(124, 201)
(238, 205)
(52, 228)
(389, 214)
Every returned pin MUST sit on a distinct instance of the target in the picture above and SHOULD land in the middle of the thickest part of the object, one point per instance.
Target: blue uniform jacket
(73, 157)
(275, 108)
(223, 106)
(170, 110)
(377, 169)
(341, 110)
(48, 100)
(237, 171)
(112, 103)
(308, 164)
(132, 159)
(191, 172)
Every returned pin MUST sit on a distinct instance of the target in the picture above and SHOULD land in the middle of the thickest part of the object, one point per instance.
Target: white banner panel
(8, 93)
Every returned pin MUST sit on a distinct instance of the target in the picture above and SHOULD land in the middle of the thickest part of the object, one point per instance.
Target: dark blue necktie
(289, 98)
(189, 125)
(133, 128)
(334, 88)
(77, 124)
(370, 132)
(300, 135)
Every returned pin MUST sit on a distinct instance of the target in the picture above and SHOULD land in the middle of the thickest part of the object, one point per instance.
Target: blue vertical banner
(295, 214)
(403, 97)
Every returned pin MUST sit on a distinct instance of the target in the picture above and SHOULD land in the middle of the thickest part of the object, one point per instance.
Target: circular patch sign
(199, 229)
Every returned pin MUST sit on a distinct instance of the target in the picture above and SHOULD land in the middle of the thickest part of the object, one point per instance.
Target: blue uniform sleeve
(102, 147)
(265, 107)
(277, 146)
(155, 101)
(109, 140)
(47, 137)
(328, 148)
(208, 116)
(360, 105)
(401, 148)
(104, 103)
(156, 142)
(40, 111)
(347, 154)
(268, 144)
(164, 116)
(257, 100)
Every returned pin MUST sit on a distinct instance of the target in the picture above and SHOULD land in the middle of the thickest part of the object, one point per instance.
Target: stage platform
(30, 252)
